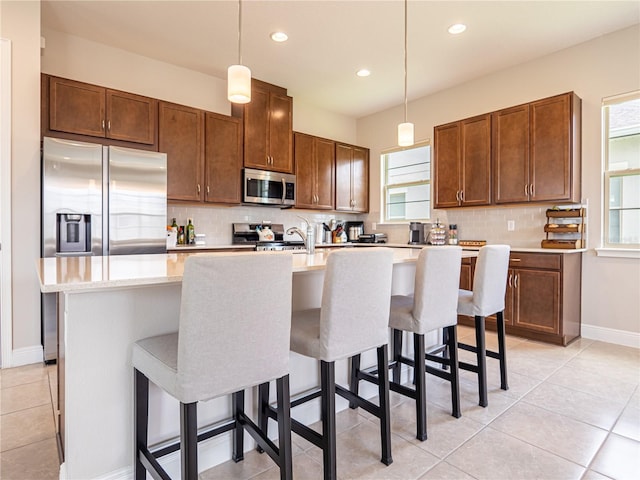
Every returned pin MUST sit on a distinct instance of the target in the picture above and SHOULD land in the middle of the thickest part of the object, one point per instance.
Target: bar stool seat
(487, 298)
(353, 318)
(222, 347)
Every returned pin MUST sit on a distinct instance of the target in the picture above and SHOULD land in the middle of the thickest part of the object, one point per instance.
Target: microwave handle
(284, 190)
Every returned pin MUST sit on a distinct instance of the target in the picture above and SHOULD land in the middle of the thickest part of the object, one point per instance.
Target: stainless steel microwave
(268, 188)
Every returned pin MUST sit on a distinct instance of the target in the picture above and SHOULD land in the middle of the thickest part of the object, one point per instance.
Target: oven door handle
(284, 191)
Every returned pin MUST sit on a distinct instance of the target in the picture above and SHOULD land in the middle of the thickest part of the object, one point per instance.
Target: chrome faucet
(303, 236)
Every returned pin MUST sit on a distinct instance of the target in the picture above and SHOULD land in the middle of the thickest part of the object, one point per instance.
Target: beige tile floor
(570, 413)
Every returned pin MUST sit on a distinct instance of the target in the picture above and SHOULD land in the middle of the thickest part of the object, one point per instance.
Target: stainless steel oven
(268, 188)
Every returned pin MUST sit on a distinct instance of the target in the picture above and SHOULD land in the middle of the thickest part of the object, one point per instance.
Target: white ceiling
(330, 40)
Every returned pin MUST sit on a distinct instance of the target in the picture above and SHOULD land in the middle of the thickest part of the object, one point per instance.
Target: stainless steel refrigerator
(98, 200)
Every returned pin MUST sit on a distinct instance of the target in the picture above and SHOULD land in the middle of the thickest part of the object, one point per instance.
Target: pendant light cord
(405, 61)
(239, 32)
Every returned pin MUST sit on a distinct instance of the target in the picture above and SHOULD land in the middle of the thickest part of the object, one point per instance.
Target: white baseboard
(611, 335)
(26, 356)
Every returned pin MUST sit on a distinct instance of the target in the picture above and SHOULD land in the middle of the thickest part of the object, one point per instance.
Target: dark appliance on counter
(416, 233)
(247, 234)
(373, 238)
(354, 230)
(98, 200)
(268, 188)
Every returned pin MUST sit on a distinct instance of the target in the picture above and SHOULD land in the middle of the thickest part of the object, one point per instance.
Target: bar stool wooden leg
(189, 440)
(502, 351)
(482, 361)
(383, 395)
(238, 431)
(452, 342)
(328, 407)
(141, 420)
(354, 381)
(284, 427)
(420, 379)
(397, 352)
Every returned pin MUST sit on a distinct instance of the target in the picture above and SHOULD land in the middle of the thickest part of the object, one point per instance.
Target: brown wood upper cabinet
(315, 171)
(204, 154)
(85, 109)
(537, 151)
(352, 178)
(462, 153)
(268, 128)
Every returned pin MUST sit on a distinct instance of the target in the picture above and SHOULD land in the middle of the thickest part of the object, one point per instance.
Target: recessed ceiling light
(457, 28)
(279, 37)
(363, 72)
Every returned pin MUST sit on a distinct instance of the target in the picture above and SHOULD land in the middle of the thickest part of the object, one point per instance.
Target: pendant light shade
(405, 130)
(405, 134)
(239, 76)
(239, 84)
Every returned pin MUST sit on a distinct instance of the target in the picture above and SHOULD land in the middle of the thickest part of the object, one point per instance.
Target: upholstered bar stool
(432, 306)
(353, 318)
(487, 298)
(224, 344)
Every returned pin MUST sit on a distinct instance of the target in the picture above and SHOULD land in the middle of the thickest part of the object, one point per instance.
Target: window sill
(618, 252)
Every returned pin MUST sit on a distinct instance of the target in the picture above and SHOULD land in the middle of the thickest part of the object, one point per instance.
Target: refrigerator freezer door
(137, 199)
(71, 184)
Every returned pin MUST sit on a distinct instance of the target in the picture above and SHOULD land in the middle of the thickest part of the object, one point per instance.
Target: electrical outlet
(511, 225)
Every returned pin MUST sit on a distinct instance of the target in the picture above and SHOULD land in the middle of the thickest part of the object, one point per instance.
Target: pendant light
(405, 129)
(239, 76)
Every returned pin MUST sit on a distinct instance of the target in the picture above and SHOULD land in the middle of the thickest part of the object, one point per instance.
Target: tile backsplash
(215, 221)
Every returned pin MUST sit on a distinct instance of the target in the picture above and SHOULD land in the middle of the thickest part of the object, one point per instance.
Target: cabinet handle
(510, 282)
(103, 125)
(109, 125)
(208, 190)
(515, 280)
(526, 190)
(461, 195)
(198, 188)
(531, 190)
(516, 259)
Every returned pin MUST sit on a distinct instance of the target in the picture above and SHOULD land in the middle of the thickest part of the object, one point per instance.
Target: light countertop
(66, 274)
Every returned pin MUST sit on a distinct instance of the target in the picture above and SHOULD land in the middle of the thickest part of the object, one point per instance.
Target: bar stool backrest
(435, 295)
(490, 279)
(235, 322)
(355, 301)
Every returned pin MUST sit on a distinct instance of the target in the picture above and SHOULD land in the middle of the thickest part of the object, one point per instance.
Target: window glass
(621, 117)
(407, 184)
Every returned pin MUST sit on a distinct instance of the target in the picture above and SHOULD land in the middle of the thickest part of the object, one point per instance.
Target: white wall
(603, 67)
(20, 23)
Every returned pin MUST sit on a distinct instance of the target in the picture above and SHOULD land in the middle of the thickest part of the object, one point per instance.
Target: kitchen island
(105, 304)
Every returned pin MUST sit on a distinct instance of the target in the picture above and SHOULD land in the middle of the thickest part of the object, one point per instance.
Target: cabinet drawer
(535, 260)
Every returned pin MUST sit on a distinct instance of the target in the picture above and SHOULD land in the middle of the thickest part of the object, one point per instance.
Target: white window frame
(633, 249)
(385, 186)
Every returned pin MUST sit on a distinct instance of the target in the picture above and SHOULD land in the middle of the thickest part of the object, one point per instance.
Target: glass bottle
(453, 234)
(191, 234)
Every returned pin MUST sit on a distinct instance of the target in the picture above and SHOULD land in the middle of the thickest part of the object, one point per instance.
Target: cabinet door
(305, 170)
(325, 156)
(223, 159)
(537, 300)
(131, 118)
(181, 137)
(360, 180)
(280, 133)
(446, 165)
(511, 154)
(476, 161)
(344, 155)
(550, 163)
(76, 107)
(256, 120)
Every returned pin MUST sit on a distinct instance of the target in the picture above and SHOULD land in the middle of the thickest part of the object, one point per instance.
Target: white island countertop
(67, 274)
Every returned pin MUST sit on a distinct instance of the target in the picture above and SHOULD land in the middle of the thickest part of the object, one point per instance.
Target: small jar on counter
(453, 234)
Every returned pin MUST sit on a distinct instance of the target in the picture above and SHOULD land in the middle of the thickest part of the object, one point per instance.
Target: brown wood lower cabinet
(542, 298)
